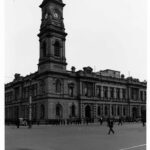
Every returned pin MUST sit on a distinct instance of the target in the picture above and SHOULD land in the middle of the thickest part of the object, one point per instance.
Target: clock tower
(52, 37)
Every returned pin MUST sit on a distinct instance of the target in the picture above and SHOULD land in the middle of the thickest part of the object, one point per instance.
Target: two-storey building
(61, 94)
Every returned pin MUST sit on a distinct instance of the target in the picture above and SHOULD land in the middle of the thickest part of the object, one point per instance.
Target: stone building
(61, 94)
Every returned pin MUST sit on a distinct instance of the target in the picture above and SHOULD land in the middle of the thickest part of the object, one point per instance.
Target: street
(129, 136)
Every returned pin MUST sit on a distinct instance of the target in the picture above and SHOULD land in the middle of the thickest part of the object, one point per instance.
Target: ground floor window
(42, 108)
(73, 111)
(99, 111)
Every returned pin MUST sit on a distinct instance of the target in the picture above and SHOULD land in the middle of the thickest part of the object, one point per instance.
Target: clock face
(56, 14)
(46, 16)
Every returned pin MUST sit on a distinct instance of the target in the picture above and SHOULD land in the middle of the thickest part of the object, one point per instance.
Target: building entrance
(88, 112)
(134, 112)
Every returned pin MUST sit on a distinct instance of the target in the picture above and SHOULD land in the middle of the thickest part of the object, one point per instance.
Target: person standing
(110, 125)
(18, 123)
(143, 121)
(101, 120)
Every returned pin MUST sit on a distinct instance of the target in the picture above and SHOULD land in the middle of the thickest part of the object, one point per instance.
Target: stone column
(94, 112)
(102, 92)
(115, 93)
(121, 94)
(104, 110)
(108, 92)
(110, 110)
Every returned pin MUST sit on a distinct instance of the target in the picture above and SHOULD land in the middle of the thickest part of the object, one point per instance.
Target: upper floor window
(112, 92)
(9, 96)
(34, 90)
(71, 91)
(124, 93)
(134, 93)
(42, 86)
(17, 93)
(118, 93)
(88, 89)
(57, 48)
(98, 91)
(141, 95)
(105, 92)
(58, 86)
(26, 92)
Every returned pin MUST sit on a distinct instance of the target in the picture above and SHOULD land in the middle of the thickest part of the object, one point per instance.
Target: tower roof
(56, 1)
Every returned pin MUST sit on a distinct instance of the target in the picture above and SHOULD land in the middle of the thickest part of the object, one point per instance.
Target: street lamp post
(30, 106)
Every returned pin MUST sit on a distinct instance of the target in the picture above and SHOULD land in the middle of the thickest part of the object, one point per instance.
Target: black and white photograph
(75, 75)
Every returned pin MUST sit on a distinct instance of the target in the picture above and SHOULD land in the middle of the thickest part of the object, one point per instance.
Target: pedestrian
(18, 123)
(101, 120)
(110, 125)
(120, 121)
(143, 121)
(38, 122)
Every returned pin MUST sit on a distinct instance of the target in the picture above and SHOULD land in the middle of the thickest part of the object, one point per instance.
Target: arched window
(73, 111)
(42, 111)
(44, 49)
(58, 86)
(57, 48)
(59, 111)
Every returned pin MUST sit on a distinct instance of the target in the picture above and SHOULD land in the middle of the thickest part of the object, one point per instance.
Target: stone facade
(60, 94)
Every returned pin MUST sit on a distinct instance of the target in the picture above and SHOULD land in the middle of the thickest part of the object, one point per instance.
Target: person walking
(110, 125)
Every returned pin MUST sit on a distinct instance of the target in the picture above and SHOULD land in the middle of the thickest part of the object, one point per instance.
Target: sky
(110, 34)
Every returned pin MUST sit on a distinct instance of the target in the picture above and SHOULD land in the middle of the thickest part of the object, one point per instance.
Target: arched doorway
(88, 112)
(42, 111)
(72, 111)
(134, 112)
(59, 111)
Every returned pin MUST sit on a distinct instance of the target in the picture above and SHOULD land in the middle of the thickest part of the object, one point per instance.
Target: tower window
(57, 49)
(58, 86)
(44, 49)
